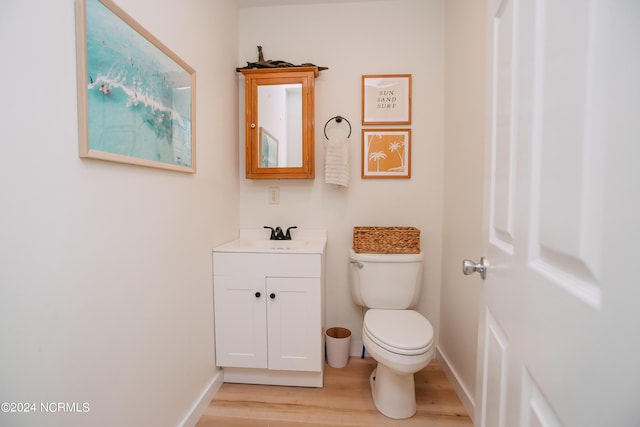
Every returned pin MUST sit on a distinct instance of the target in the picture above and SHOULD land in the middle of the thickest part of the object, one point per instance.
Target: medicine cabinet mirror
(279, 122)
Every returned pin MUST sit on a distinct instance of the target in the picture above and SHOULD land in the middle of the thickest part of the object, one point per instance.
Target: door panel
(242, 342)
(536, 411)
(503, 153)
(567, 163)
(294, 323)
(495, 373)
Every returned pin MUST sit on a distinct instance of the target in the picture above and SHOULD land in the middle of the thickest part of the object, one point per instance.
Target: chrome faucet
(278, 234)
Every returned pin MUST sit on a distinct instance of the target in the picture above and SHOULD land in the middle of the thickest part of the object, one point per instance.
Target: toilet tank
(388, 281)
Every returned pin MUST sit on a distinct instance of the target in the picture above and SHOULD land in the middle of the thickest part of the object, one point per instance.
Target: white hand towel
(336, 162)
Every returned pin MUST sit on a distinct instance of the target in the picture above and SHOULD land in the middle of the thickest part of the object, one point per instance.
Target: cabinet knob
(272, 296)
(258, 294)
(253, 125)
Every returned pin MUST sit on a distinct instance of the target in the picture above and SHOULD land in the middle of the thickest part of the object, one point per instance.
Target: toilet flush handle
(357, 264)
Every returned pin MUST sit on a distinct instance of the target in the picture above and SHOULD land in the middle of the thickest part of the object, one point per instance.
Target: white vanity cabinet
(269, 316)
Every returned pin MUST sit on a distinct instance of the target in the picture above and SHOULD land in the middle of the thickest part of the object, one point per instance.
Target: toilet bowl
(401, 341)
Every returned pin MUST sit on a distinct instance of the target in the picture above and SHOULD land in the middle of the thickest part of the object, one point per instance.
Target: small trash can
(338, 343)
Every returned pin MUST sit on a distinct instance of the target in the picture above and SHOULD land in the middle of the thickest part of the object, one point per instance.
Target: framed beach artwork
(386, 99)
(386, 153)
(136, 98)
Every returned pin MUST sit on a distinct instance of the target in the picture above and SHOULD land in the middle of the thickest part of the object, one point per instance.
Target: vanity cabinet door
(294, 323)
(240, 321)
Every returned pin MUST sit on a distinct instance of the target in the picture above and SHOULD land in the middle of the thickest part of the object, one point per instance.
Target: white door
(559, 330)
(294, 323)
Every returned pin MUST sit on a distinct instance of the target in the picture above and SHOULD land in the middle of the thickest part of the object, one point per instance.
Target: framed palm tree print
(386, 153)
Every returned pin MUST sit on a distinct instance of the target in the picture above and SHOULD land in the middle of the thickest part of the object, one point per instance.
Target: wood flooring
(345, 400)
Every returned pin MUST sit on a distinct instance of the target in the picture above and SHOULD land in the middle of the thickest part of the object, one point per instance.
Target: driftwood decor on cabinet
(279, 119)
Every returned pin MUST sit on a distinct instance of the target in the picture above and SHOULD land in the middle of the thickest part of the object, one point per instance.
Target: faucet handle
(273, 232)
(288, 235)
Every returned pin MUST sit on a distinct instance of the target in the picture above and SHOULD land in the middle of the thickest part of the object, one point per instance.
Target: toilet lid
(399, 331)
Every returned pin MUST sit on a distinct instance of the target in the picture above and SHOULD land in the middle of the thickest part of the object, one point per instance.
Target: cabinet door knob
(272, 296)
(258, 294)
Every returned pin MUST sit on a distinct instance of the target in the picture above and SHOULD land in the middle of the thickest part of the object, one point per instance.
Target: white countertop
(303, 241)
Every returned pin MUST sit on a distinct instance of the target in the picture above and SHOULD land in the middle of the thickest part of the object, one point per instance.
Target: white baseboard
(203, 401)
(465, 397)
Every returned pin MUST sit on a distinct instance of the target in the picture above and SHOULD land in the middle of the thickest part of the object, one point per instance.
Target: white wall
(463, 188)
(105, 278)
(352, 39)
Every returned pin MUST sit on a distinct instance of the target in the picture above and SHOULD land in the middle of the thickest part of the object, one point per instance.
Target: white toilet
(399, 339)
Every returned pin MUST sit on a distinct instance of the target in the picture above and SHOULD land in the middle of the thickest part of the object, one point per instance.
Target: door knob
(470, 267)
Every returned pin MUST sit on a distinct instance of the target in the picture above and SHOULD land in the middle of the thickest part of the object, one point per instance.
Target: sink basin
(256, 240)
(278, 244)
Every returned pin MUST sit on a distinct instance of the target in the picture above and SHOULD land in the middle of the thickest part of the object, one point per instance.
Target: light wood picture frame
(136, 98)
(386, 99)
(386, 153)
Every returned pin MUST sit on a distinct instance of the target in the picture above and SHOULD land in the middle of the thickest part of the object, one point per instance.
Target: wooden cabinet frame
(270, 76)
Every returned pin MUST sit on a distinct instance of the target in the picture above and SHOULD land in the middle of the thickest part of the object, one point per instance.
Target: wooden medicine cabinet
(279, 122)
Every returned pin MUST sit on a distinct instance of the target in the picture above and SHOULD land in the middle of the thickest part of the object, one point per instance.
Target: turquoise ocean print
(139, 99)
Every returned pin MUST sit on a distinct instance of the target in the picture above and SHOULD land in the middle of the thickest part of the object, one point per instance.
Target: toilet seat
(404, 332)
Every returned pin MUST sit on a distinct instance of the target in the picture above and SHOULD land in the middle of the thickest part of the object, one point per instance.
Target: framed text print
(136, 98)
(386, 99)
(386, 153)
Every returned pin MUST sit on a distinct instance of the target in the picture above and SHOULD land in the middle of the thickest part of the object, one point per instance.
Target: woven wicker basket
(386, 240)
